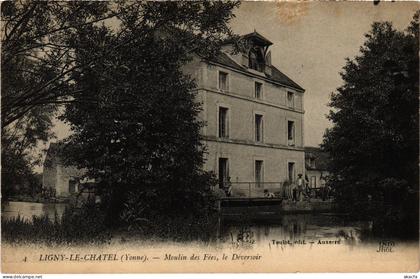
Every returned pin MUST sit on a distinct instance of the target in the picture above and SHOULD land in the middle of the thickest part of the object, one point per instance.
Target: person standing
(228, 187)
(300, 183)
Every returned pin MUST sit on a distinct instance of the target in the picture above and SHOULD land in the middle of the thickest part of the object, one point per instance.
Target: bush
(178, 211)
(390, 203)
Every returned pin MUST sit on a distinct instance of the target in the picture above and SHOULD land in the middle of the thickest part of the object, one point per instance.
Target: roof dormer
(257, 51)
(250, 54)
(257, 39)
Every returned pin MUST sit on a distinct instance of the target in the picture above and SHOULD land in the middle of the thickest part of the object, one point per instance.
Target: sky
(310, 43)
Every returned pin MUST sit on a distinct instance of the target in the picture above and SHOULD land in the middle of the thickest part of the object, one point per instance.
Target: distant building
(316, 166)
(254, 116)
(62, 180)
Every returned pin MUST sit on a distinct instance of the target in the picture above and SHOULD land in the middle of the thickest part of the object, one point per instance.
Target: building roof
(55, 154)
(277, 75)
(258, 38)
(320, 158)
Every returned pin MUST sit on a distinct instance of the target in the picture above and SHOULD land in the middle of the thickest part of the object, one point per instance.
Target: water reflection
(294, 228)
(26, 210)
(240, 231)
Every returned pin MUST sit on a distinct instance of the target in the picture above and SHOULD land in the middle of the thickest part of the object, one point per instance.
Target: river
(310, 227)
(26, 210)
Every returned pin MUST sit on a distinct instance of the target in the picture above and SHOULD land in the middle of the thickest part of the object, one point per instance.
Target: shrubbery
(172, 211)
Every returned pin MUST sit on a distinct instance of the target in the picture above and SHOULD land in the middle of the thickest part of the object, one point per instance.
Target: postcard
(209, 137)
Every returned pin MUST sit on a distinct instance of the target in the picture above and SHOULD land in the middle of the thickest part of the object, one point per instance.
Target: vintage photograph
(209, 136)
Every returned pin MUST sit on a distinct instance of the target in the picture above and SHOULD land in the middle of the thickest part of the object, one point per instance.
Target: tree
(37, 59)
(18, 148)
(136, 129)
(38, 52)
(373, 143)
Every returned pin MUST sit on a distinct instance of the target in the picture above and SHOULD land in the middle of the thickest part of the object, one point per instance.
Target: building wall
(49, 176)
(57, 176)
(240, 148)
(242, 159)
(62, 186)
(242, 119)
(243, 85)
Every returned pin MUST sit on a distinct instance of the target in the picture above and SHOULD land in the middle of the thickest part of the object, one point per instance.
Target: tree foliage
(135, 129)
(37, 59)
(38, 51)
(373, 143)
(19, 143)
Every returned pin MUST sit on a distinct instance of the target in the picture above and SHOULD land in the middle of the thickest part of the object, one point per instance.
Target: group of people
(300, 190)
(295, 191)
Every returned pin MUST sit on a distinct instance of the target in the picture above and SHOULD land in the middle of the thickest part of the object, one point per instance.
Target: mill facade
(254, 117)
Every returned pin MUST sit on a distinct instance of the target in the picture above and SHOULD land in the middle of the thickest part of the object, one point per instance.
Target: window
(290, 99)
(258, 90)
(312, 162)
(72, 186)
(258, 128)
(256, 59)
(291, 171)
(291, 133)
(223, 123)
(313, 181)
(223, 81)
(258, 172)
(223, 172)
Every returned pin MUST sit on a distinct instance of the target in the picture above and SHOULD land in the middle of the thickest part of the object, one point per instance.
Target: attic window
(256, 59)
